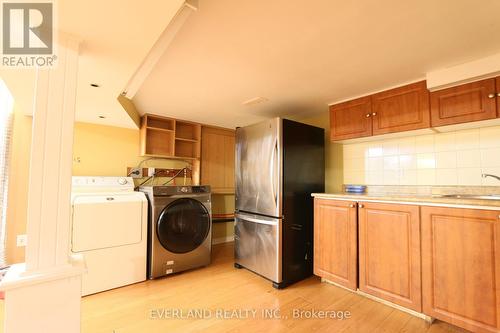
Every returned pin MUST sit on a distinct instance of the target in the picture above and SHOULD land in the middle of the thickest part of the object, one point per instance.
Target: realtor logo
(28, 34)
(27, 28)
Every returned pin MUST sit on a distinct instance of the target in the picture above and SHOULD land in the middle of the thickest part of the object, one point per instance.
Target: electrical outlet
(21, 240)
(135, 173)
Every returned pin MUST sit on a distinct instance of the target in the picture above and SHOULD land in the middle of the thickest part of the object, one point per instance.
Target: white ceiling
(116, 36)
(302, 55)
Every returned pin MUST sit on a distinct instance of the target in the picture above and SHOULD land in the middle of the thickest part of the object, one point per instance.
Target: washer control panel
(101, 184)
(171, 190)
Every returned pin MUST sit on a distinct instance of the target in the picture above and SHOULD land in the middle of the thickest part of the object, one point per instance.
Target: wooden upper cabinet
(389, 253)
(401, 109)
(351, 119)
(461, 267)
(335, 241)
(217, 159)
(498, 96)
(465, 103)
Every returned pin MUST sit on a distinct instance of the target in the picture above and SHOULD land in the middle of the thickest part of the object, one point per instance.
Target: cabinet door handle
(361, 206)
(491, 95)
(498, 94)
(374, 113)
(368, 115)
(352, 205)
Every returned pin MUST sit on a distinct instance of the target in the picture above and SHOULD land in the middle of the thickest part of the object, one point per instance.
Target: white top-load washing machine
(109, 228)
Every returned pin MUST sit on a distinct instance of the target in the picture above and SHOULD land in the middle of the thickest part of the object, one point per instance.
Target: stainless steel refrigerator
(279, 163)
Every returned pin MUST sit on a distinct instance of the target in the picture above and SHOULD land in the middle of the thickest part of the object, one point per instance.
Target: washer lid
(183, 225)
(103, 221)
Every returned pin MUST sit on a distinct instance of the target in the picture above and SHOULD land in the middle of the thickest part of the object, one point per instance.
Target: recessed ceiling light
(95, 85)
(255, 100)
(102, 117)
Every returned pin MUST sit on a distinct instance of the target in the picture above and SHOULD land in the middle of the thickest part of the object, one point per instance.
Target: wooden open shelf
(161, 123)
(189, 149)
(159, 142)
(187, 131)
(171, 138)
(168, 137)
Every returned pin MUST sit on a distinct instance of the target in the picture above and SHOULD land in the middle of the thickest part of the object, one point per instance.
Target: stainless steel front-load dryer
(179, 230)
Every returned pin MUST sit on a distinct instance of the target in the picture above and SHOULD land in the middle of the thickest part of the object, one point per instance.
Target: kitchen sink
(469, 196)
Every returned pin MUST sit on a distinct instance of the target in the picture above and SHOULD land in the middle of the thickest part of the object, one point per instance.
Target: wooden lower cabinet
(335, 241)
(461, 267)
(389, 253)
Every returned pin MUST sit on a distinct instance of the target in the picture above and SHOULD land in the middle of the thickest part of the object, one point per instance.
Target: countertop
(413, 199)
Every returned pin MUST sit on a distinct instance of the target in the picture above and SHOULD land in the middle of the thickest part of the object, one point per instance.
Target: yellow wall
(108, 151)
(98, 151)
(333, 152)
(18, 185)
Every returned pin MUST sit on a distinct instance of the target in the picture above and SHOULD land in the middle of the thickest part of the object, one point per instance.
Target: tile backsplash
(453, 158)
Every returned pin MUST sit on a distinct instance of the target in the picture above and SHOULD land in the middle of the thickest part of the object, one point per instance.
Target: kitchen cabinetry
(351, 119)
(461, 267)
(389, 253)
(335, 241)
(401, 109)
(444, 262)
(217, 159)
(412, 107)
(465, 103)
(498, 95)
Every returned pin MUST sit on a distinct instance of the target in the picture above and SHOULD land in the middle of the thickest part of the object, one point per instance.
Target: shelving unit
(171, 138)
(157, 136)
(187, 139)
(158, 142)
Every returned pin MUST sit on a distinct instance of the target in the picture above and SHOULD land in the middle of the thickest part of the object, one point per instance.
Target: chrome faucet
(484, 175)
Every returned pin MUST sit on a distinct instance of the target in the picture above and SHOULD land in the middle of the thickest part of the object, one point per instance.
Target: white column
(43, 295)
(51, 161)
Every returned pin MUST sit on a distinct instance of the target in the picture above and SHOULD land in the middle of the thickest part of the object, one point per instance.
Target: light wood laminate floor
(221, 286)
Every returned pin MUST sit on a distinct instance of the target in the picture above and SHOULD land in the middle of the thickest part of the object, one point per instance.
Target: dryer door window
(183, 225)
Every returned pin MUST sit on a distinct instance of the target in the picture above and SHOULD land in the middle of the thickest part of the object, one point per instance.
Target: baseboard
(221, 240)
(376, 299)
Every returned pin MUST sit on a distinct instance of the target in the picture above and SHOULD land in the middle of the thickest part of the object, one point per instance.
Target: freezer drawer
(258, 245)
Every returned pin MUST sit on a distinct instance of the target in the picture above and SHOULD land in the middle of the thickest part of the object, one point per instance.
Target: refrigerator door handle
(245, 217)
(273, 172)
